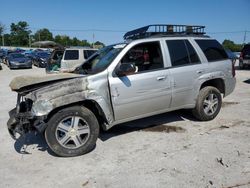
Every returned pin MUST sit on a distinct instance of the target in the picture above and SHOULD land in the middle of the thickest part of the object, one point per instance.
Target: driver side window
(145, 57)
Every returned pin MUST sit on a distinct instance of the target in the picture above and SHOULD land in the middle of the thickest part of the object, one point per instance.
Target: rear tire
(72, 131)
(208, 104)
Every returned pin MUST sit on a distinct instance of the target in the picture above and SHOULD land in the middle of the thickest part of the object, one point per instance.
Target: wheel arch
(217, 83)
(92, 105)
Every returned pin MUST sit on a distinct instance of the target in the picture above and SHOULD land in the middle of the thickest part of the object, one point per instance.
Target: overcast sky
(108, 20)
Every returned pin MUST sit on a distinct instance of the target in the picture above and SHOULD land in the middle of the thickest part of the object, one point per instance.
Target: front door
(145, 92)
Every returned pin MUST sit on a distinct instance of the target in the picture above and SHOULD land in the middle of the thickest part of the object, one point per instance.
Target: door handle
(200, 71)
(160, 78)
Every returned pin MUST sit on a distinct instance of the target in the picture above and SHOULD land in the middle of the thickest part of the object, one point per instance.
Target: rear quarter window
(212, 50)
(71, 55)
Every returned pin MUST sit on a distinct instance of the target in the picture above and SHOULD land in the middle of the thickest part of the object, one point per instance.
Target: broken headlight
(41, 107)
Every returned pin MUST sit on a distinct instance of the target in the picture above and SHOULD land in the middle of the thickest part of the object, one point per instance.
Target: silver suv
(159, 68)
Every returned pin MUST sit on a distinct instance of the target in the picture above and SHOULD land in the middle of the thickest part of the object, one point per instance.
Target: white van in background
(74, 56)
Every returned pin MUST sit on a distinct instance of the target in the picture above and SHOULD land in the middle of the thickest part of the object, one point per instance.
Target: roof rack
(164, 29)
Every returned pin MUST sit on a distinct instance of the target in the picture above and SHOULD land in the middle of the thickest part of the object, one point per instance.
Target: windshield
(17, 55)
(101, 60)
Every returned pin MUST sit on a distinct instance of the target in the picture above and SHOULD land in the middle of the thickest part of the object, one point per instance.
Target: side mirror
(125, 69)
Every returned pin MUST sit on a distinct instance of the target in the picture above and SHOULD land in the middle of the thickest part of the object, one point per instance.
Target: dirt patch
(224, 104)
(231, 124)
(239, 185)
(164, 128)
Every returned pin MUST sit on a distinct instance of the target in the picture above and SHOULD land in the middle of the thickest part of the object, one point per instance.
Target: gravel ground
(168, 150)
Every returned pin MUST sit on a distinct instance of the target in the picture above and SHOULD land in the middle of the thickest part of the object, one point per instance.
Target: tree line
(21, 35)
(228, 44)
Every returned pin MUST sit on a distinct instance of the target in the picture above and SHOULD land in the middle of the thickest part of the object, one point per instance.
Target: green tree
(75, 42)
(43, 34)
(58, 40)
(20, 33)
(99, 43)
(66, 41)
(2, 28)
(7, 40)
(228, 44)
(85, 43)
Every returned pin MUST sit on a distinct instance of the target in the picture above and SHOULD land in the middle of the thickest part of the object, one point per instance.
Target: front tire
(208, 104)
(72, 131)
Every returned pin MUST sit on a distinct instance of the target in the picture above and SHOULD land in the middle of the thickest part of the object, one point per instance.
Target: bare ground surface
(168, 150)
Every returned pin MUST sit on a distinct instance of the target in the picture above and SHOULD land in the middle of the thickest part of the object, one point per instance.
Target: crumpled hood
(26, 81)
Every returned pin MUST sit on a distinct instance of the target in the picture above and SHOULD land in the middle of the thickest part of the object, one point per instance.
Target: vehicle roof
(167, 38)
(80, 48)
(162, 30)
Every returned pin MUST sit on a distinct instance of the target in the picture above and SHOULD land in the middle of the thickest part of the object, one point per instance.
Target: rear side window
(182, 52)
(88, 53)
(212, 50)
(71, 55)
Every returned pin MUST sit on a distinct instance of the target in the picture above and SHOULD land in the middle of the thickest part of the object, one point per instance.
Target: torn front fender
(77, 90)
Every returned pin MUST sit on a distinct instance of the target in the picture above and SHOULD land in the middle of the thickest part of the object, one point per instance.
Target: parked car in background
(5, 55)
(27, 52)
(40, 59)
(74, 56)
(54, 61)
(244, 57)
(231, 55)
(18, 60)
(19, 50)
(2, 54)
(237, 54)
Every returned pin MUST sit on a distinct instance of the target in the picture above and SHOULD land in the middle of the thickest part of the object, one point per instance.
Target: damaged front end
(22, 119)
(30, 113)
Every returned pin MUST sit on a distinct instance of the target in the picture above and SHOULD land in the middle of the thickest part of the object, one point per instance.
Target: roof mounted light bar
(164, 29)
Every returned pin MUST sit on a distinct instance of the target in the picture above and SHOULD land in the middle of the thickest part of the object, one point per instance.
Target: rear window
(212, 50)
(88, 53)
(71, 55)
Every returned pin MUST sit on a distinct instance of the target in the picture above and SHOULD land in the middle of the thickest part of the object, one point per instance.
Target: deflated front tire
(72, 131)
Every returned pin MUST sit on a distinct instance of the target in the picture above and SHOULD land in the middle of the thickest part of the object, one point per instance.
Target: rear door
(185, 70)
(145, 92)
(71, 58)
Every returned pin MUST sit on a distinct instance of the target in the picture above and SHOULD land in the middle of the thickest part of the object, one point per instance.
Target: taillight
(233, 70)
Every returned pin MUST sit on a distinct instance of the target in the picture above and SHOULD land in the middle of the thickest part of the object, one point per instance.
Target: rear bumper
(246, 61)
(229, 86)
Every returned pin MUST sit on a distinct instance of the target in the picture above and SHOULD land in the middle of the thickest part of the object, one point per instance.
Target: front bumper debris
(19, 123)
